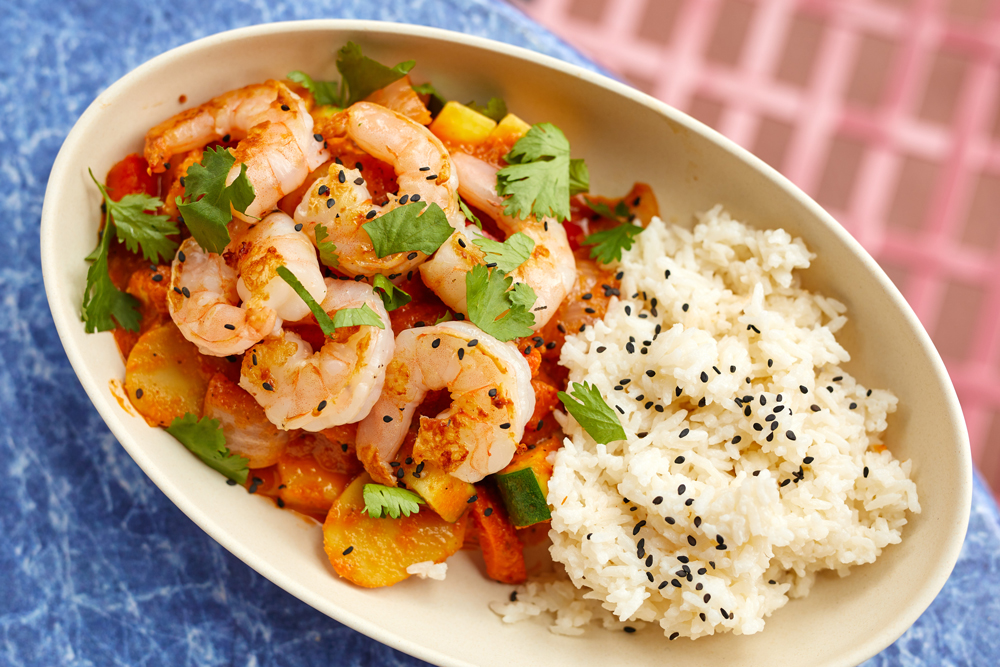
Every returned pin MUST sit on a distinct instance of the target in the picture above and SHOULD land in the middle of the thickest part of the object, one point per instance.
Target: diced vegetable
(308, 487)
(446, 495)
(524, 484)
(376, 552)
(510, 127)
(458, 124)
(165, 377)
(501, 547)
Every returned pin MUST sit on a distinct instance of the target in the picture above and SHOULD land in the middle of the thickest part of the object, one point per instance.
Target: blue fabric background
(97, 567)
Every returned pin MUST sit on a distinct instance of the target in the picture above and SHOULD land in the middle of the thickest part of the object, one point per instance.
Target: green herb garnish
(492, 307)
(382, 501)
(609, 243)
(589, 409)
(399, 230)
(510, 254)
(207, 198)
(204, 437)
(540, 177)
(495, 109)
(392, 296)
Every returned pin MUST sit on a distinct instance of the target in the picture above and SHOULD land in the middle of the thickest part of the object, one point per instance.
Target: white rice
(428, 569)
(781, 519)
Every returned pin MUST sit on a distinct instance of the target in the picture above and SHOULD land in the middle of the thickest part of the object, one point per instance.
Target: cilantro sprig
(104, 305)
(495, 109)
(609, 243)
(392, 297)
(503, 314)
(620, 212)
(204, 437)
(357, 317)
(589, 409)
(136, 228)
(382, 501)
(468, 213)
(207, 199)
(360, 77)
(435, 100)
(345, 317)
(327, 250)
(510, 254)
(540, 176)
(399, 229)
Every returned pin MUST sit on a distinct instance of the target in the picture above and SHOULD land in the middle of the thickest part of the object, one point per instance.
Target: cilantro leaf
(354, 317)
(591, 411)
(104, 305)
(392, 296)
(399, 231)
(204, 437)
(538, 176)
(435, 101)
(510, 254)
(207, 198)
(620, 212)
(323, 92)
(468, 213)
(491, 306)
(447, 317)
(327, 249)
(523, 295)
(325, 323)
(495, 109)
(392, 501)
(579, 177)
(609, 243)
(362, 76)
(138, 229)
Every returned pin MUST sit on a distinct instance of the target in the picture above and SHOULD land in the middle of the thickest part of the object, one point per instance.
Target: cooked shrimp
(204, 304)
(550, 270)
(400, 97)
(275, 132)
(337, 385)
(492, 399)
(340, 201)
(259, 252)
(248, 431)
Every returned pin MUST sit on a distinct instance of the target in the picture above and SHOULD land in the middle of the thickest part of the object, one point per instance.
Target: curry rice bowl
(752, 460)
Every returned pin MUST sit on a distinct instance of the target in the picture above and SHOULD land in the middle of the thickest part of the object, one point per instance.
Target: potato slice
(166, 377)
(376, 552)
(458, 124)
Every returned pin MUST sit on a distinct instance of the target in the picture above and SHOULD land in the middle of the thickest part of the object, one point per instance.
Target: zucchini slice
(524, 483)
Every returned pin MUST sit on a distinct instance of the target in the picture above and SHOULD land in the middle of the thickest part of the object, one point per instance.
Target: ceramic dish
(625, 136)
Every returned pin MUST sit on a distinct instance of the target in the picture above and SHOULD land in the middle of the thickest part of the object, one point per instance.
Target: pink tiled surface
(887, 112)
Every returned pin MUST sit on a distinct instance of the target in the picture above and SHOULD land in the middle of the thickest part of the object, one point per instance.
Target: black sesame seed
(411, 256)
(807, 460)
(670, 520)
(267, 386)
(747, 411)
(677, 391)
(702, 402)
(770, 418)
(737, 439)
(681, 489)
(461, 354)
(815, 408)
(628, 310)
(702, 570)
(790, 435)
(680, 459)
(505, 425)
(157, 278)
(757, 427)
(866, 472)
(697, 522)
(785, 482)
(138, 393)
(371, 214)
(629, 629)
(342, 177)
(231, 327)
(852, 406)
(676, 584)
(348, 550)
(649, 575)
(431, 177)
(437, 341)
(638, 527)
(285, 107)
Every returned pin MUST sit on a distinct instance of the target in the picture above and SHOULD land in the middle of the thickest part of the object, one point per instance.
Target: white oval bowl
(625, 136)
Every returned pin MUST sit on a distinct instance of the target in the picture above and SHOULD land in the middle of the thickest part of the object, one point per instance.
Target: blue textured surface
(97, 567)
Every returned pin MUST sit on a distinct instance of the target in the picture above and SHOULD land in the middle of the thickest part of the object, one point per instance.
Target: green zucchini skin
(523, 496)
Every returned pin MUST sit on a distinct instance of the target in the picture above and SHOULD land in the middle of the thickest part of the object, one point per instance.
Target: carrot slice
(501, 547)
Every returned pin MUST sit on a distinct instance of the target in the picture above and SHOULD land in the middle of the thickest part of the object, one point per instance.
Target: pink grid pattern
(887, 112)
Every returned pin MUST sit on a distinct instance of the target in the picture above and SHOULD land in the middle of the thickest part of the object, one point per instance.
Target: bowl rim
(109, 411)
